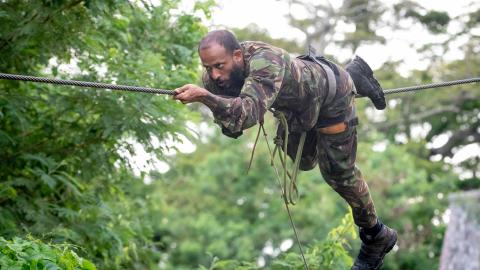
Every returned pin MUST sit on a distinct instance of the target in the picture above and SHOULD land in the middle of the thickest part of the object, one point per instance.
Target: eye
(208, 69)
(219, 66)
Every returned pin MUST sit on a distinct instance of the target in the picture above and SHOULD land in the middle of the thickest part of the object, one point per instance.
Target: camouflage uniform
(298, 88)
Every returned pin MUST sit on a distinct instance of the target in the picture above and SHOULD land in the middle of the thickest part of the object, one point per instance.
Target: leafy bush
(65, 174)
(32, 254)
(329, 254)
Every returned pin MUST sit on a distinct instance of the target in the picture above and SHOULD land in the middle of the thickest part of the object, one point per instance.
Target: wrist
(207, 98)
(204, 93)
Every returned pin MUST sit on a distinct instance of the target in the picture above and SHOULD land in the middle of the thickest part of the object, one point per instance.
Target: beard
(234, 84)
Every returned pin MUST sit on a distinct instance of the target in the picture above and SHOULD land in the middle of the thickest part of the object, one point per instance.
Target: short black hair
(222, 37)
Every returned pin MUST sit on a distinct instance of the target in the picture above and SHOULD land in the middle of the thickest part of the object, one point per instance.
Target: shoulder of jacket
(257, 47)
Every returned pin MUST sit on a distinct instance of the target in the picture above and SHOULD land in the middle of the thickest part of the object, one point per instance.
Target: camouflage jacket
(275, 80)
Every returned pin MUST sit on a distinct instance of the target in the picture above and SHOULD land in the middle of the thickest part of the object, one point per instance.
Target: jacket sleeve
(258, 93)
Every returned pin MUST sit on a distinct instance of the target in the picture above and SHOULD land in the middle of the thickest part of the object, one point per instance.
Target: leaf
(87, 265)
(3, 14)
(42, 159)
(4, 137)
(52, 266)
(7, 191)
(50, 181)
(69, 182)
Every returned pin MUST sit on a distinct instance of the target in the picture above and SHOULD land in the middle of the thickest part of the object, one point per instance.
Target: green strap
(289, 186)
(283, 122)
(296, 166)
(254, 147)
(292, 191)
(284, 196)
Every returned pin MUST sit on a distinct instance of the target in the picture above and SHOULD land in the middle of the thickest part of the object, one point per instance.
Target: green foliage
(31, 253)
(65, 175)
(319, 22)
(329, 254)
(435, 21)
(364, 15)
(210, 205)
(412, 188)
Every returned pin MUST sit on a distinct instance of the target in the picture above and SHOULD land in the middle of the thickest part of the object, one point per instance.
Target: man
(244, 80)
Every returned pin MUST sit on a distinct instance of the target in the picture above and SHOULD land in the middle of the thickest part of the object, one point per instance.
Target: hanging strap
(289, 186)
(332, 81)
(284, 196)
(296, 166)
(286, 193)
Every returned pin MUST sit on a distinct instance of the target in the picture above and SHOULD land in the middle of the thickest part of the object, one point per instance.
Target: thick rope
(86, 84)
(149, 90)
(427, 86)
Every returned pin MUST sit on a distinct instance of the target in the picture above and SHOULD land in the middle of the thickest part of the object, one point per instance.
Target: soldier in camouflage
(244, 80)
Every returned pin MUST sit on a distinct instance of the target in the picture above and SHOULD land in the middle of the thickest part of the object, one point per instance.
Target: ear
(238, 56)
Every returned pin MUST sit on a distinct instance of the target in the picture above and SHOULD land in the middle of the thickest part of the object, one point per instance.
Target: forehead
(213, 54)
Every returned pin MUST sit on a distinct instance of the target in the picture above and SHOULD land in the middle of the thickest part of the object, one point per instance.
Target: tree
(320, 22)
(448, 112)
(64, 175)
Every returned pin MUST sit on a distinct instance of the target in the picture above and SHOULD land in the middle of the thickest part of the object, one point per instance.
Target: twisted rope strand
(431, 85)
(149, 90)
(86, 84)
(427, 86)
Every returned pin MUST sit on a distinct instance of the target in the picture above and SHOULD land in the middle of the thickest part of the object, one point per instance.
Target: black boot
(365, 83)
(374, 249)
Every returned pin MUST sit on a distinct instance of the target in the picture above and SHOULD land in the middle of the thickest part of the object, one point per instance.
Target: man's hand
(190, 93)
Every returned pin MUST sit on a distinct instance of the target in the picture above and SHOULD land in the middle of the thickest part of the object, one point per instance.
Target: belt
(334, 129)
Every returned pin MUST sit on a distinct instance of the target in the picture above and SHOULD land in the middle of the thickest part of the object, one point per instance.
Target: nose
(215, 74)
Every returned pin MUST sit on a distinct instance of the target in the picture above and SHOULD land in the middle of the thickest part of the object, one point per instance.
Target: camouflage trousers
(337, 154)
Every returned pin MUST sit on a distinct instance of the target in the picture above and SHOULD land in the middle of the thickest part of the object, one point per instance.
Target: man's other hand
(190, 93)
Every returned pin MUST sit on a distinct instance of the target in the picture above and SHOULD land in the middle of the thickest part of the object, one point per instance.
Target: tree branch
(457, 138)
(454, 107)
(420, 116)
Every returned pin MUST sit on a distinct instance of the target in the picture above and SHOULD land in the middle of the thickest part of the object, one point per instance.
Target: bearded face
(234, 83)
(225, 69)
